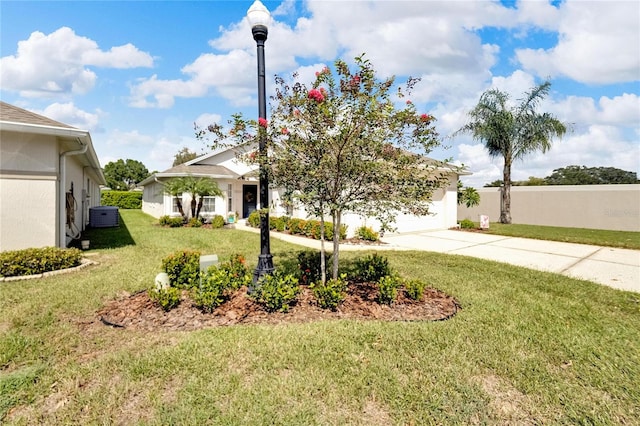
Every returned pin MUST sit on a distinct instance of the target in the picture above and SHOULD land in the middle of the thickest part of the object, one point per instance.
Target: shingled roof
(196, 170)
(13, 114)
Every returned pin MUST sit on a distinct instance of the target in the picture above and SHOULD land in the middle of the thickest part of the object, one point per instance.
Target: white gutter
(62, 237)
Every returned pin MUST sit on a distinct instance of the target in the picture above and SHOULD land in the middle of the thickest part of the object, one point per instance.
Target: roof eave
(62, 132)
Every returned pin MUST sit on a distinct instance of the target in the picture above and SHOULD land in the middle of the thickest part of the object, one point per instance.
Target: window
(229, 198)
(174, 201)
(208, 204)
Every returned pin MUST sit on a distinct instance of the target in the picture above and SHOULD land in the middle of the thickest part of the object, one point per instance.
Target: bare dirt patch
(137, 311)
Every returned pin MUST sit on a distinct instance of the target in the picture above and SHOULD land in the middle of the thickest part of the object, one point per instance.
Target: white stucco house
(240, 187)
(49, 178)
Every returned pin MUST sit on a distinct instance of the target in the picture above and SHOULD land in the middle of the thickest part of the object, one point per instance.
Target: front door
(249, 199)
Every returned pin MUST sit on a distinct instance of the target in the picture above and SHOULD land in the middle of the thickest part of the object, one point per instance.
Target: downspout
(62, 232)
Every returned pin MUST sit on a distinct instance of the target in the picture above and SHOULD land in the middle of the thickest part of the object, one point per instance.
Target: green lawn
(599, 237)
(528, 348)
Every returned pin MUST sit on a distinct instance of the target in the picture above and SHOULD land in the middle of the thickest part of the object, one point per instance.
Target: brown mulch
(137, 311)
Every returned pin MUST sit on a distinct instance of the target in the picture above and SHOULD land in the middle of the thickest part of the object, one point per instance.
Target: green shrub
(414, 289)
(312, 229)
(309, 269)
(217, 221)
(122, 199)
(367, 234)
(183, 268)
(237, 270)
(174, 222)
(38, 260)
(343, 232)
(194, 222)
(467, 224)
(372, 267)
(218, 282)
(213, 289)
(278, 223)
(388, 289)
(167, 298)
(276, 291)
(296, 226)
(254, 219)
(330, 294)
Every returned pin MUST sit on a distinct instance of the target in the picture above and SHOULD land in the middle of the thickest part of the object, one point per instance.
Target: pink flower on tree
(262, 122)
(316, 95)
(409, 102)
(285, 131)
(424, 117)
(296, 112)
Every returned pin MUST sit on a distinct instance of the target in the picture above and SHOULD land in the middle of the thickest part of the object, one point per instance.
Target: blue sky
(138, 74)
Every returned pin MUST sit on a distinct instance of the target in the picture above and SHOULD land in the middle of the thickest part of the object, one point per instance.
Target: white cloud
(68, 113)
(204, 120)
(623, 110)
(430, 39)
(57, 64)
(227, 75)
(597, 44)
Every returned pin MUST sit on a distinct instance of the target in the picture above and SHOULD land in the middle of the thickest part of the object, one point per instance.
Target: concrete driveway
(617, 268)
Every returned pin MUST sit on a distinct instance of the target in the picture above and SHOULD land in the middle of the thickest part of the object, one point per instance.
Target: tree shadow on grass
(109, 238)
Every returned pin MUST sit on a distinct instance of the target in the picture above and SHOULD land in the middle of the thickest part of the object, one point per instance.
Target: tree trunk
(335, 215)
(193, 206)
(323, 263)
(505, 199)
(200, 202)
(180, 209)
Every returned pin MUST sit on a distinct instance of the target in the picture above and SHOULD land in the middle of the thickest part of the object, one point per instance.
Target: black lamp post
(259, 17)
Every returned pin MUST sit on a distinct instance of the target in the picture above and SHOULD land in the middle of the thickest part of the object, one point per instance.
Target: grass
(528, 346)
(599, 237)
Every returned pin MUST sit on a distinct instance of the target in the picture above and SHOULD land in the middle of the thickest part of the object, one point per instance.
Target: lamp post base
(265, 267)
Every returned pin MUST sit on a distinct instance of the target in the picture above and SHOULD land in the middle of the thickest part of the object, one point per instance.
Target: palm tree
(512, 132)
(204, 187)
(197, 188)
(174, 187)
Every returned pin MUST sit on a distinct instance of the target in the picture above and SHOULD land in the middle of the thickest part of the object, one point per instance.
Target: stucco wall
(29, 191)
(27, 221)
(612, 207)
(24, 153)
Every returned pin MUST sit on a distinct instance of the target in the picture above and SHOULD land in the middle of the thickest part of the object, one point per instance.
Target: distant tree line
(578, 175)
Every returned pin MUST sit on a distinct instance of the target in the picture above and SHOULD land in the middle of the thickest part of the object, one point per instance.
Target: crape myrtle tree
(349, 142)
(512, 132)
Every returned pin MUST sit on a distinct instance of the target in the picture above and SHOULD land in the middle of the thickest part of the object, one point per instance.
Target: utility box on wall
(104, 217)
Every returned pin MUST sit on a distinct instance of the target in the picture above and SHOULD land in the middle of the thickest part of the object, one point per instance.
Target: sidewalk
(617, 268)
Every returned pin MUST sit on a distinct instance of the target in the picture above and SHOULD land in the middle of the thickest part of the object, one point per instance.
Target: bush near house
(467, 224)
(295, 226)
(38, 260)
(173, 222)
(122, 199)
(217, 221)
(367, 234)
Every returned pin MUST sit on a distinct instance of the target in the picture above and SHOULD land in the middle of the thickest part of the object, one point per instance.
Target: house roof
(196, 170)
(15, 119)
(13, 114)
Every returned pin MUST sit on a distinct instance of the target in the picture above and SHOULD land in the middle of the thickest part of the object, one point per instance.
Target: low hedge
(122, 199)
(295, 226)
(35, 261)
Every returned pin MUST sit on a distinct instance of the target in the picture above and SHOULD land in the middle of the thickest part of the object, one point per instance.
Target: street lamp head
(259, 18)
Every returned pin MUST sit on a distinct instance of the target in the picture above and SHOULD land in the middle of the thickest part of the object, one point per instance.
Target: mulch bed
(137, 311)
